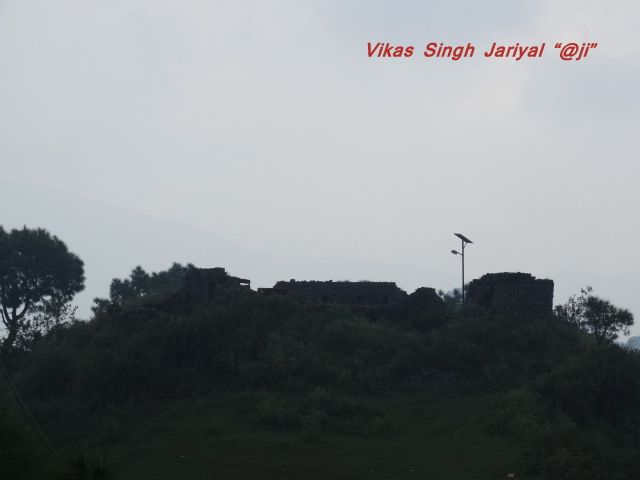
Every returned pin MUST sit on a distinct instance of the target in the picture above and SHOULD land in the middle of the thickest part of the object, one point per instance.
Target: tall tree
(573, 310)
(36, 271)
(596, 316)
(605, 320)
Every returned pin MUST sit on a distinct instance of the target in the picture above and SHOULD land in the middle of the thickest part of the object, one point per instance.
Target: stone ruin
(215, 285)
(424, 298)
(343, 292)
(512, 294)
(370, 296)
(504, 294)
(206, 285)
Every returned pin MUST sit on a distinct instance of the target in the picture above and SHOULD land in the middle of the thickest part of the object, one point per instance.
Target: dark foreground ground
(213, 438)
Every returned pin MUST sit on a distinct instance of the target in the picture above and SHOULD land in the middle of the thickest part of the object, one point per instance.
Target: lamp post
(464, 241)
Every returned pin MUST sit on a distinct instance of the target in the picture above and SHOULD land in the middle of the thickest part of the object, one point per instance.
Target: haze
(260, 137)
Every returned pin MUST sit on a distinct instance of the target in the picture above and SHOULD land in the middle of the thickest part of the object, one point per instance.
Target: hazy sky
(258, 136)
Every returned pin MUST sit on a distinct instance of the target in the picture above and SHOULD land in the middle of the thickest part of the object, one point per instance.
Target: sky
(259, 136)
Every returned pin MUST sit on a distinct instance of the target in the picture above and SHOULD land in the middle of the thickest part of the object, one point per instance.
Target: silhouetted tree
(453, 298)
(38, 274)
(595, 316)
(573, 310)
(605, 321)
(140, 283)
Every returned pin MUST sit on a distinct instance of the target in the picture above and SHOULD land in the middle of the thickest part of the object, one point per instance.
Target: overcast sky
(258, 136)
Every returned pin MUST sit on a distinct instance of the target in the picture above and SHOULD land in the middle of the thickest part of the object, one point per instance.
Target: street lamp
(464, 241)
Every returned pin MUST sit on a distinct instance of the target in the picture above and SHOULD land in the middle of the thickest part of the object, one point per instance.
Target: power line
(22, 413)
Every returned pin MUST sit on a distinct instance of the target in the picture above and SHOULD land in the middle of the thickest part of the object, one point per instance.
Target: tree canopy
(595, 315)
(142, 284)
(605, 320)
(37, 274)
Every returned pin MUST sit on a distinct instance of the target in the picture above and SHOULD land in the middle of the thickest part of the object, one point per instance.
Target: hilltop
(186, 382)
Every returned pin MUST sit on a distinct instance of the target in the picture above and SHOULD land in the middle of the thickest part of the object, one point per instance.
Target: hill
(268, 387)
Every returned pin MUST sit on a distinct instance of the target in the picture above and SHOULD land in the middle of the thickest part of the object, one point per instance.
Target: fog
(260, 137)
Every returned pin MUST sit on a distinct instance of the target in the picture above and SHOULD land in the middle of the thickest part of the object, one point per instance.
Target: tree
(38, 275)
(596, 316)
(453, 298)
(604, 320)
(572, 312)
(142, 284)
(46, 319)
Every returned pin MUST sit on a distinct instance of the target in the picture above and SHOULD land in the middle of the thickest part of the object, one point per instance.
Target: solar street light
(464, 241)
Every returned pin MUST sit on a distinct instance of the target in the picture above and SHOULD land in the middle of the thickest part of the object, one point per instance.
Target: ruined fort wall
(354, 293)
(513, 294)
(203, 286)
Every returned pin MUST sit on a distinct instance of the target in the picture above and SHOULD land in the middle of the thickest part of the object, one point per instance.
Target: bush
(319, 412)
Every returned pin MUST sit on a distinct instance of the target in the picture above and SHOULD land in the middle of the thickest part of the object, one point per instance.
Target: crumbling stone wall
(506, 294)
(424, 298)
(512, 294)
(206, 285)
(350, 293)
(203, 285)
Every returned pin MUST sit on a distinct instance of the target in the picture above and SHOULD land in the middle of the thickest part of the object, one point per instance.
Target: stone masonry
(343, 292)
(206, 285)
(512, 294)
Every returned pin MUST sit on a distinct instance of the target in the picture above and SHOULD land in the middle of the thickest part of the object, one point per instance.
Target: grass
(214, 437)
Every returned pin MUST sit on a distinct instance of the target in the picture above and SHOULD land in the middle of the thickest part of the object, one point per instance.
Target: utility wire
(20, 408)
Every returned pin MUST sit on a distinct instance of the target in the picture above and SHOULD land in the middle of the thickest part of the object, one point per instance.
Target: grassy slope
(435, 438)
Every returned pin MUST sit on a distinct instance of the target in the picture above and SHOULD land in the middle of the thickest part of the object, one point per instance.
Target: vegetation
(18, 459)
(38, 275)
(141, 284)
(595, 316)
(265, 387)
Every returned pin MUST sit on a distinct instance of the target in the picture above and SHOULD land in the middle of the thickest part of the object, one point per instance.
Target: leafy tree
(572, 312)
(594, 315)
(51, 315)
(141, 284)
(38, 274)
(453, 298)
(604, 320)
(137, 285)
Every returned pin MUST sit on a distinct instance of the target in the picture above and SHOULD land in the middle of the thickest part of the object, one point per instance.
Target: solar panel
(463, 238)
